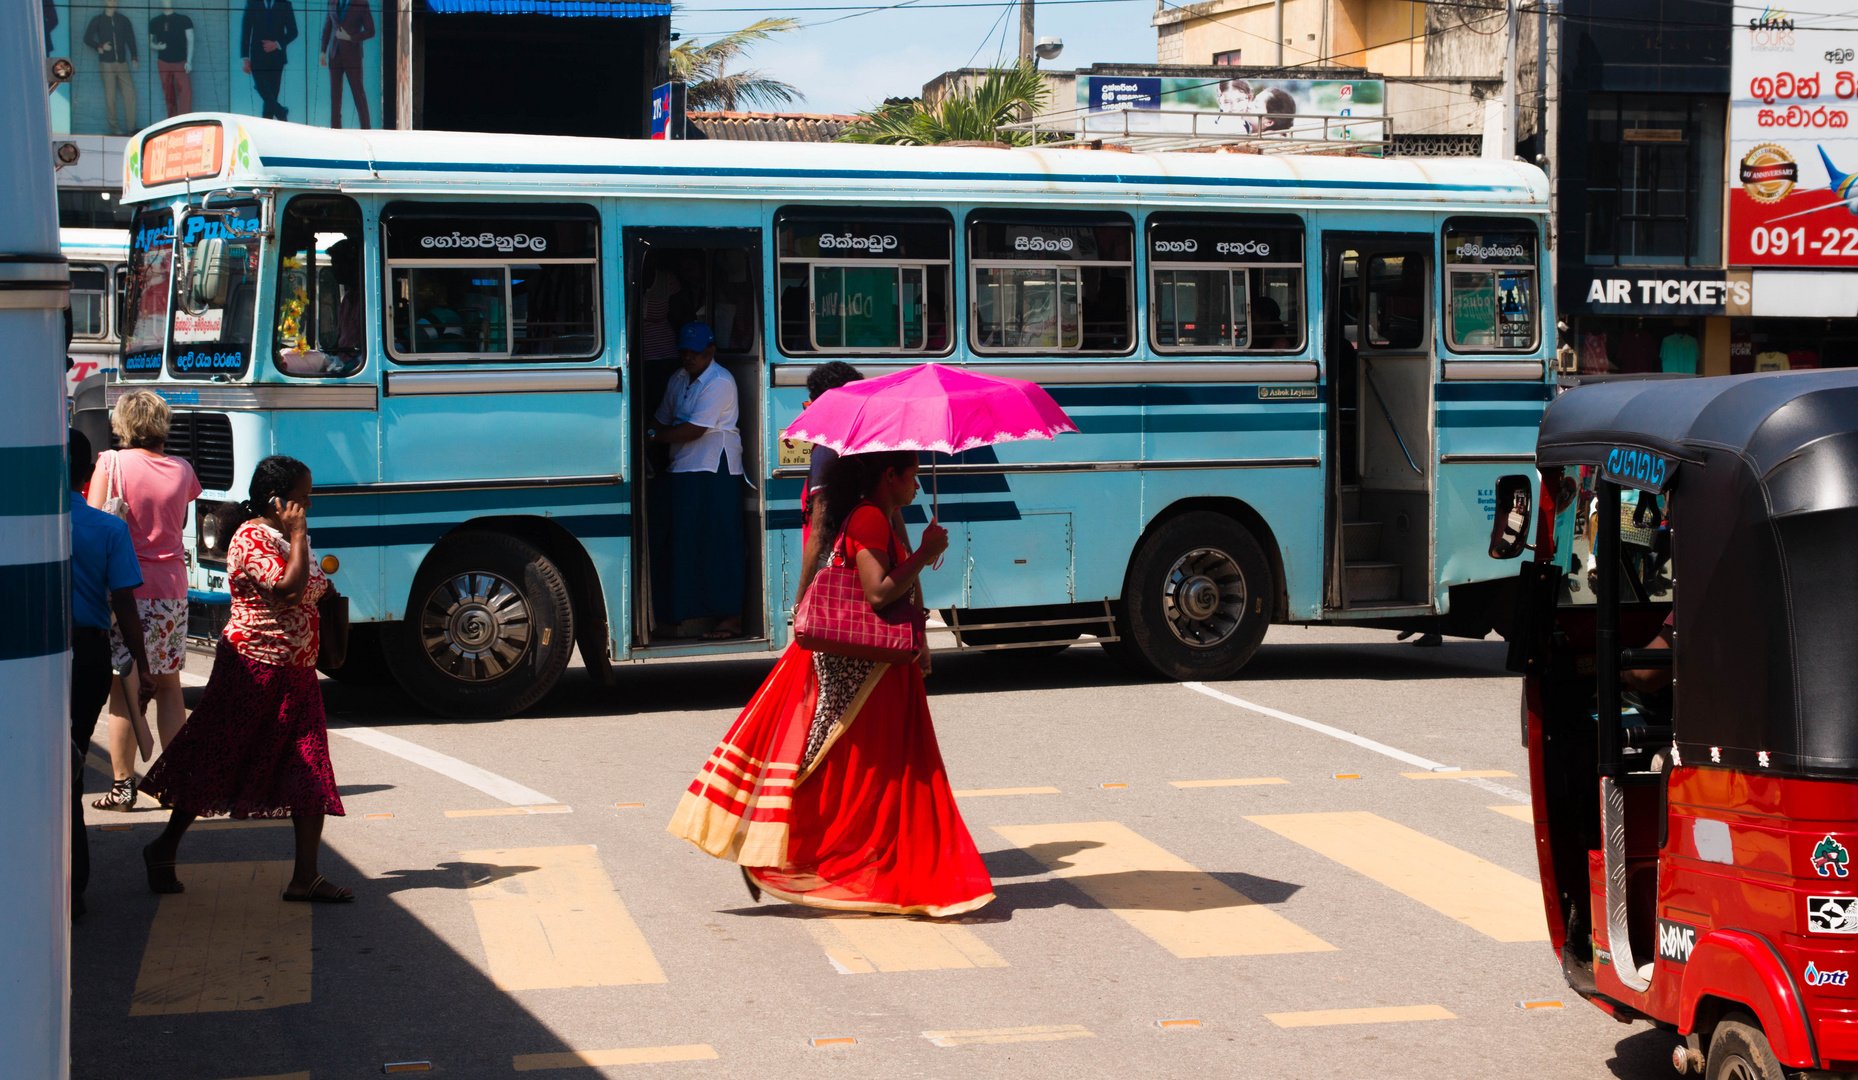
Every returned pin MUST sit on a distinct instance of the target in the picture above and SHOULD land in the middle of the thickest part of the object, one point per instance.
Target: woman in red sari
(829, 789)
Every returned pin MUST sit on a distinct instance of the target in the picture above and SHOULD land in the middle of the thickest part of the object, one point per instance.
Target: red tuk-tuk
(1688, 633)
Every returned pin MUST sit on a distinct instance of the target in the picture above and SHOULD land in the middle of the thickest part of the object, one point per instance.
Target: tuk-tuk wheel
(1739, 1051)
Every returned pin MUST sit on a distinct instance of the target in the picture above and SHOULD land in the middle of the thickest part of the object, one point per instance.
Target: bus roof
(269, 152)
(94, 243)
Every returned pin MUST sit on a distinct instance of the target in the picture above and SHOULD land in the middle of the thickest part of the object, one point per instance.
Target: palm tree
(711, 86)
(971, 114)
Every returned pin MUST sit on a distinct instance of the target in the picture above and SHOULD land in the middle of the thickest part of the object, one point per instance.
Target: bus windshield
(216, 294)
(145, 305)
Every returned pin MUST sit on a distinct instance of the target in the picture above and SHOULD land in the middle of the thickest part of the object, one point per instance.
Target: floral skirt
(256, 747)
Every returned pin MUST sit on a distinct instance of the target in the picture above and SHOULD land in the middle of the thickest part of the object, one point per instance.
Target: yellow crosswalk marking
(1461, 774)
(1247, 781)
(632, 1055)
(1520, 813)
(1393, 1014)
(975, 793)
(1484, 896)
(1187, 912)
(1044, 1033)
(226, 944)
(864, 944)
(549, 918)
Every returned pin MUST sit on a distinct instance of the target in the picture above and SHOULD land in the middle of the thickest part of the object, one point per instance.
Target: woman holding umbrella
(829, 790)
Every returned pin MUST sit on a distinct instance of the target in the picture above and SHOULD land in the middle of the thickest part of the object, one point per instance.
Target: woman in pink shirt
(155, 490)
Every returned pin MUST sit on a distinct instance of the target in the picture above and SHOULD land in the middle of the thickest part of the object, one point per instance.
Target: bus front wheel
(1199, 598)
(488, 631)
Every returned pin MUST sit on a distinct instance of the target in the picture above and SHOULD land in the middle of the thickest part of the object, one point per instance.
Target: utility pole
(1027, 40)
(1278, 18)
(1507, 149)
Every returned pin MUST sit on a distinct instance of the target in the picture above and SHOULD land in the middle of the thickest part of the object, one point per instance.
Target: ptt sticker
(1813, 976)
(1675, 940)
(1832, 914)
(1830, 858)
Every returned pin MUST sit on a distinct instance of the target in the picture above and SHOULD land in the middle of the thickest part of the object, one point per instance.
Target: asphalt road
(521, 908)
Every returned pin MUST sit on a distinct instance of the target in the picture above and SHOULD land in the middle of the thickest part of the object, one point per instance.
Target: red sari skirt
(869, 825)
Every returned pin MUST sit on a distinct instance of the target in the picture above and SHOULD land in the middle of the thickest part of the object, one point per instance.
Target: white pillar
(35, 679)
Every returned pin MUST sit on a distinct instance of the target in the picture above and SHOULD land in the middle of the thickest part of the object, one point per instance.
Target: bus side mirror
(1509, 532)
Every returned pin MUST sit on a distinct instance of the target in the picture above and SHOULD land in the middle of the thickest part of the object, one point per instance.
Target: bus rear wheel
(1739, 1051)
(1198, 598)
(488, 631)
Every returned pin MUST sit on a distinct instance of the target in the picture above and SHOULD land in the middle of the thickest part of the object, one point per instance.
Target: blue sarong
(698, 568)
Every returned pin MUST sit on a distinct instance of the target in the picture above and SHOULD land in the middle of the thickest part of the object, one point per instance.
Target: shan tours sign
(1793, 172)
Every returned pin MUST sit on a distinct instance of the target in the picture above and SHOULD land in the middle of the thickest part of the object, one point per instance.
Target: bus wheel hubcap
(1203, 597)
(475, 627)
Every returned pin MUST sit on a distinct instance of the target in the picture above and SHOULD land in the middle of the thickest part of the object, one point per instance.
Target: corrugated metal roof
(771, 127)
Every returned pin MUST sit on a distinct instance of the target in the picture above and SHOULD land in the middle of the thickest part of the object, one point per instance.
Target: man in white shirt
(698, 566)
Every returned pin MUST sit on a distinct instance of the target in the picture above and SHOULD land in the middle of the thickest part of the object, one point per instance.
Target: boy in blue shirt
(104, 578)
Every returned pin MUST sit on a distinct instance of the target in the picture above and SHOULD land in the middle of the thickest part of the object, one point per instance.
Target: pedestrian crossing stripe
(1249, 781)
(1458, 774)
(985, 1036)
(1499, 903)
(1189, 913)
(863, 944)
(227, 944)
(633, 1055)
(1393, 1014)
(1520, 813)
(549, 918)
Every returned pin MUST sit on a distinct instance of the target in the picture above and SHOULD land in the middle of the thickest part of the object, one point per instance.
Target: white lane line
(1495, 788)
(465, 773)
(1332, 732)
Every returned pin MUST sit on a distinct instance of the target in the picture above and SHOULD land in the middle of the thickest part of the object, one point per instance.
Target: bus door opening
(694, 579)
(1380, 364)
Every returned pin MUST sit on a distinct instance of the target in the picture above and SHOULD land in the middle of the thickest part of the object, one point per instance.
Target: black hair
(830, 376)
(81, 465)
(850, 478)
(274, 478)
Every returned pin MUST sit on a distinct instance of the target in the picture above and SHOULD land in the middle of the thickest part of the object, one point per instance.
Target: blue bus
(1297, 379)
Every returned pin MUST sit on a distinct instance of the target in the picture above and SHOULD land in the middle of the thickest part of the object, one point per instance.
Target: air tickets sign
(1793, 171)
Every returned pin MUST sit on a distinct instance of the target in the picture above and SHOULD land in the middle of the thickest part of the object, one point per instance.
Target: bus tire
(365, 664)
(1198, 599)
(488, 630)
(1739, 1051)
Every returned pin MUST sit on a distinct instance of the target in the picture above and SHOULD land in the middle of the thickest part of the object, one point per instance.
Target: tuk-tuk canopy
(1761, 473)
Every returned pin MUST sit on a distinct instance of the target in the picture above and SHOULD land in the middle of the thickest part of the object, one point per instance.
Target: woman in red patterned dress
(256, 747)
(829, 790)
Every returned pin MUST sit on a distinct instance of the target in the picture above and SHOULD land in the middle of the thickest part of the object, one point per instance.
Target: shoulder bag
(113, 500)
(331, 630)
(835, 618)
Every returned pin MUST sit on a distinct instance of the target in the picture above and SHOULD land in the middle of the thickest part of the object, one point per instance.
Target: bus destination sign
(188, 152)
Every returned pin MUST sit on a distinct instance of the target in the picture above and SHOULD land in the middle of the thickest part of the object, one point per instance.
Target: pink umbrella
(930, 407)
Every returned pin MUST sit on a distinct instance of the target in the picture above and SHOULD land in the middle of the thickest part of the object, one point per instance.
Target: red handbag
(835, 618)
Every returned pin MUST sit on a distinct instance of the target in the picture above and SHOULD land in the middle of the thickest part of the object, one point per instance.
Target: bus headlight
(209, 532)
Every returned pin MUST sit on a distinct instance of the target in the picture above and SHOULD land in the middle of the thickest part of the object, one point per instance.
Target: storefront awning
(580, 9)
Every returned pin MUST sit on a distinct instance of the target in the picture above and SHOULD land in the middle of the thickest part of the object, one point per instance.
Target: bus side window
(321, 321)
(1225, 283)
(863, 281)
(492, 281)
(1396, 301)
(89, 289)
(1051, 282)
(1490, 285)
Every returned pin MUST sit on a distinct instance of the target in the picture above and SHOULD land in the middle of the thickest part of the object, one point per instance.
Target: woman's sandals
(121, 797)
(317, 894)
(161, 877)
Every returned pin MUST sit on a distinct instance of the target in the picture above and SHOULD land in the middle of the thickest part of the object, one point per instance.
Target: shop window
(492, 282)
(1654, 181)
(1226, 59)
(1051, 283)
(864, 281)
(1225, 283)
(320, 327)
(1490, 285)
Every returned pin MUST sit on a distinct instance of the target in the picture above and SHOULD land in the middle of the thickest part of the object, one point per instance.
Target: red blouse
(260, 628)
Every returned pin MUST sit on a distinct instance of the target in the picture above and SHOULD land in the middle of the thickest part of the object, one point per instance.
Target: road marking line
(226, 944)
(377, 815)
(1461, 774)
(833, 1040)
(1241, 782)
(1116, 785)
(553, 920)
(1520, 813)
(1550, 1004)
(1042, 1033)
(1495, 788)
(862, 945)
(407, 1066)
(1499, 903)
(1345, 776)
(636, 805)
(1177, 1022)
(489, 783)
(632, 1055)
(1187, 912)
(1392, 1014)
(280, 1076)
(976, 793)
(505, 811)
(1332, 732)
(188, 678)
